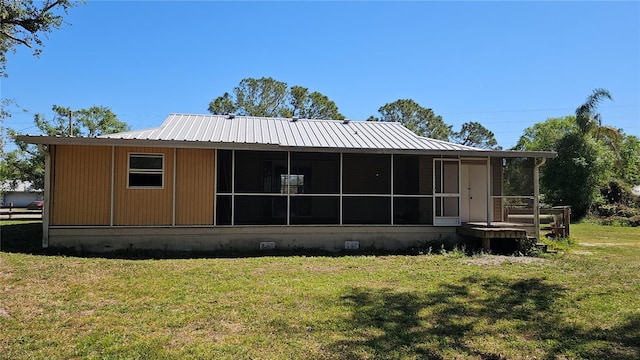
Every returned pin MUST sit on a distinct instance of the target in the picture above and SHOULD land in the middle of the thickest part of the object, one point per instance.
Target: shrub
(618, 192)
(527, 246)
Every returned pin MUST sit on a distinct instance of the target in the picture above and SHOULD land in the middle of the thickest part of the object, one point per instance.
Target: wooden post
(536, 196)
(70, 123)
(46, 150)
(566, 217)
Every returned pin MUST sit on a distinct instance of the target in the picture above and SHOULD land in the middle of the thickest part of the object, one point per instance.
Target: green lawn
(580, 303)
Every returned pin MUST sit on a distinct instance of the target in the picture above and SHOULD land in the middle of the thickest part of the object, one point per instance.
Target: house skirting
(250, 238)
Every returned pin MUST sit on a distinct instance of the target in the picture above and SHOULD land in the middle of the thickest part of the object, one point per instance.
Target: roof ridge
(262, 117)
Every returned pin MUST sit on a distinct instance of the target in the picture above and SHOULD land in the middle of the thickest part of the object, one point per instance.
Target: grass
(583, 302)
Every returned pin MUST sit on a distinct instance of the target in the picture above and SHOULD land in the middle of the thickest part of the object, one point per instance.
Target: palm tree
(590, 122)
(586, 117)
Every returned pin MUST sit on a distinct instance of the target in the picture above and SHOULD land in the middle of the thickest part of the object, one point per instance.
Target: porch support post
(289, 188)
(45, 149)
(536, 196)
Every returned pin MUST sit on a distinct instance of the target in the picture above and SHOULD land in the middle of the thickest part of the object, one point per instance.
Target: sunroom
(323, 188)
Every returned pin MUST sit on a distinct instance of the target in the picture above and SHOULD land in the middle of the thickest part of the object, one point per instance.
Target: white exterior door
(474, 192)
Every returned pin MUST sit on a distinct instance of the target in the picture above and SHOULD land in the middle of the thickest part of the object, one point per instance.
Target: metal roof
(332, 134)
(262, 133)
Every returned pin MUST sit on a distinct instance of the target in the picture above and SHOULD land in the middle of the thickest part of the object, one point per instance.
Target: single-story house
(18, 193)
(219, 182)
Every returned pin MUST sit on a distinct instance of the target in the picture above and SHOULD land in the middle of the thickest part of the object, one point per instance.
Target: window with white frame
(146, 171)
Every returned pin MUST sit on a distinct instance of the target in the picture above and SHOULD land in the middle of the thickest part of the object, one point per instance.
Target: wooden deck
(495, 230)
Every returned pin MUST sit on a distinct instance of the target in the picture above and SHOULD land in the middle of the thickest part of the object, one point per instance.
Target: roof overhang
(59, 140)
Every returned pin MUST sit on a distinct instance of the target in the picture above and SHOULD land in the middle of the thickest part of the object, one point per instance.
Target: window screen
(306, 210)
(366, 210)
(223, 210)
(319, 172)
(259, 171)
(260, 210)
(412, 175)
(413, 211)
(366, 174)
(224, 171)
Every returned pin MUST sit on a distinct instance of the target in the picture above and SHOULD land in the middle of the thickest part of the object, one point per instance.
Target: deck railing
(519, 209)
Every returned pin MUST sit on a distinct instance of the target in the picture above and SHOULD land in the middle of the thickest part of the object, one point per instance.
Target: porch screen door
(446, 192)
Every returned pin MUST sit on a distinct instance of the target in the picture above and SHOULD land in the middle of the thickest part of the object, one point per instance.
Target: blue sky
(506, 65)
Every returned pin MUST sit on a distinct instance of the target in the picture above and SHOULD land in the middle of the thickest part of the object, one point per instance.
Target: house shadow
(22, 237)
(26, 238)
(453, 320)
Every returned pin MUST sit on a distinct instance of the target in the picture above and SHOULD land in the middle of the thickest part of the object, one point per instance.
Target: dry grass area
(570, 305)
(496, 260)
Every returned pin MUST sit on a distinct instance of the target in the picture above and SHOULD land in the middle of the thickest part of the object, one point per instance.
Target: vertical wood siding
(142, 206)
(81, 185)
(195, 169)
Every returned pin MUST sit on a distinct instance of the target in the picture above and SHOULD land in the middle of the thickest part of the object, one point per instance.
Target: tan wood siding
(195, 169)
(150, 206)
(81, 190)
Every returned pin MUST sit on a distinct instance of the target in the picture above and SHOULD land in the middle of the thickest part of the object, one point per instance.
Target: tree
(422, 121)
(223, 105)
(313, 105)
(588, 154)
(90, 122)
(544, 136)
(475, 135)
(4, 113)
(630, 158)
(518, 177)
(271, 98)
(573, 178)
(590, 123)
(27, 163)
(586, 117)
(26, 22)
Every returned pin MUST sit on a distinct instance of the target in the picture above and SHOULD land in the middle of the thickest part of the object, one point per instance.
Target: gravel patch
(606, 244)
(578, 252)
(490, 260)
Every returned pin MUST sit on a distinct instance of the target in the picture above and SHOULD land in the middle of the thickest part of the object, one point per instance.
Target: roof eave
(55, 140)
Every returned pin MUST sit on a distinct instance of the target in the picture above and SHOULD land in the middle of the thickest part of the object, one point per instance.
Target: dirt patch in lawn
(607, 244)
(4, 313)
(493, 260)
(579, 252)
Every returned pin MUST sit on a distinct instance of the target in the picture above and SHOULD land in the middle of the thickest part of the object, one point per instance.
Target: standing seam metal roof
(289, 133)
